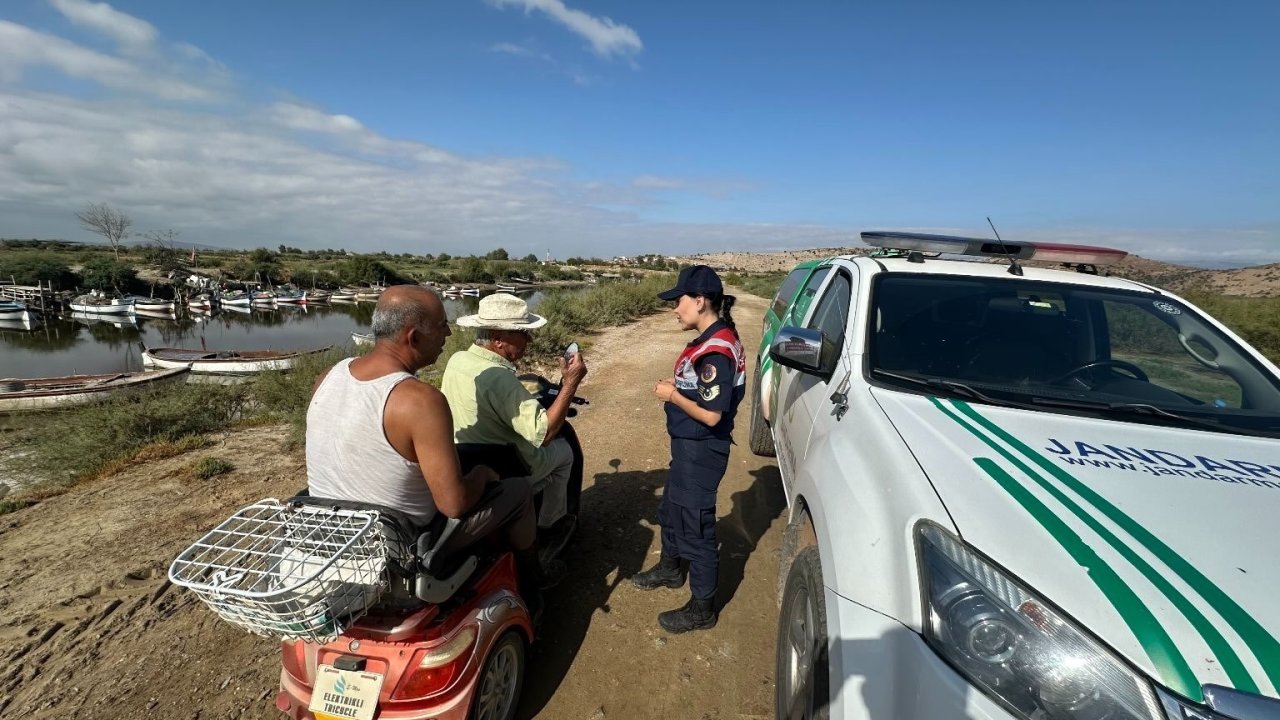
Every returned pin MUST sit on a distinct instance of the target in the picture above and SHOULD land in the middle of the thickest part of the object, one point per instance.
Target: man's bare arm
(423, 412)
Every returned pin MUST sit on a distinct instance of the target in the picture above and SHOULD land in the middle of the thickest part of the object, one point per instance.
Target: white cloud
(133, 35)
(21, 47)
(606, 37)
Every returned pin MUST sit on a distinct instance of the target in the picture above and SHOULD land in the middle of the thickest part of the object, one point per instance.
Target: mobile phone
(570, 351)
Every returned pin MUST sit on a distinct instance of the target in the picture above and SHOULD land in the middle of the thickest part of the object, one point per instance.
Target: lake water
(89, 345)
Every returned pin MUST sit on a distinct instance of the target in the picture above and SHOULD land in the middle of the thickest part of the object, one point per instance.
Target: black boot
(667, 573)
(695, 615)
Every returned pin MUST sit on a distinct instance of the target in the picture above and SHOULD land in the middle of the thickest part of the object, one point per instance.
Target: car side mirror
(800, 349)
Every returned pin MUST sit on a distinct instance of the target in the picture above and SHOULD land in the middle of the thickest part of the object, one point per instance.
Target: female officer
(701, 401)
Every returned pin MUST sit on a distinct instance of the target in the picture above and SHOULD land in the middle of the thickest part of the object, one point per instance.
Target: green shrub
(209, 467)
(103, 273)
(37, 269)
(765, 285)
(80, 442)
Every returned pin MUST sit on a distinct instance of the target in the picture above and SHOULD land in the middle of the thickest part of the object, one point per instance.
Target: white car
(1020, 493)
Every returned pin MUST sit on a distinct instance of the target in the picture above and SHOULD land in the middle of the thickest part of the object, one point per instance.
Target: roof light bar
(978, 247)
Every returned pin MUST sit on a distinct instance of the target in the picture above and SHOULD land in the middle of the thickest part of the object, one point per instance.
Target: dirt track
(89, 627)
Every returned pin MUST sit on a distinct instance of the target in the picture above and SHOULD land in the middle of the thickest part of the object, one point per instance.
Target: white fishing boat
(506, 288)
(150, 304)
(230, 362)
(203, 301)
(238, 298)
(342, 296)
(262, 297)
(362, 339)
(18, 395)
(471, 292)
(312, 297)
(289, 297)
(18, 313)
(369, 294)
(93, 304)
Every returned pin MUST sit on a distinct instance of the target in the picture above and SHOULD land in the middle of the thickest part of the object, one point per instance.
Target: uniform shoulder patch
(709, 393)
(708, 372)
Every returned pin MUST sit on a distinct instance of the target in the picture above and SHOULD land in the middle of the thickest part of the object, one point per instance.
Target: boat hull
(51, 393)
(238, 363)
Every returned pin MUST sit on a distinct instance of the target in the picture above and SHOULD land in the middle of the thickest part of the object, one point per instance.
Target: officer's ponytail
(722, 305)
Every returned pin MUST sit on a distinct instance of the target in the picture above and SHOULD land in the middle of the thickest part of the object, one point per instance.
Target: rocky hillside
(1259, 281)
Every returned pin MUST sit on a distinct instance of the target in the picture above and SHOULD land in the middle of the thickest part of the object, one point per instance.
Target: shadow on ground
(616, 528)
(751, 513)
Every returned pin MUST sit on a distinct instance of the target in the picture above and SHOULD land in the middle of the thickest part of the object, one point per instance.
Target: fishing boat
(362, 339)
(369, 294)
(312, 297)
(203, 301)
(149, 303)
(262, 297)
(17, 395)
(18, 313)
(239, 298)
(95, 304)
(471, 292)
(289, 297)
(228, 362)
(506, 288)
(342, 296)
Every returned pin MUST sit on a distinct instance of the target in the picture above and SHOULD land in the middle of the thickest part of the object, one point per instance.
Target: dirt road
(89, 628)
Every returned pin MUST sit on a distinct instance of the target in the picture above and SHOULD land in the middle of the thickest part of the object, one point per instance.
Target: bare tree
(106, 221)
(167, 239)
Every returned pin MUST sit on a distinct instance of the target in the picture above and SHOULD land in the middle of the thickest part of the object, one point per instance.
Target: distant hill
(1258, 281)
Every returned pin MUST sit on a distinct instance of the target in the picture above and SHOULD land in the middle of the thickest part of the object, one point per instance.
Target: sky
(602, 127)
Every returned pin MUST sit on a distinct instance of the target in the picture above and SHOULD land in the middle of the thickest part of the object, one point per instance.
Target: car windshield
(1068, 348)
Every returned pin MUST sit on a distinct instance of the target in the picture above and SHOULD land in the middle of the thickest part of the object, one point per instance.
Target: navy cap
(694, 280)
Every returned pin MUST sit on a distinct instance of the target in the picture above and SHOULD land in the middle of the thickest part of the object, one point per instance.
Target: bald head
(405, 306)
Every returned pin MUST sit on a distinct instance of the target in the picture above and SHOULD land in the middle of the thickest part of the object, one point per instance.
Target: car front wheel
(801, 682)
(760, 440)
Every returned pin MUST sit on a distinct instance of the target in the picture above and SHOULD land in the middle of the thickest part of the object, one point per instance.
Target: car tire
(501, 680)
(761, 439)
(801, 680)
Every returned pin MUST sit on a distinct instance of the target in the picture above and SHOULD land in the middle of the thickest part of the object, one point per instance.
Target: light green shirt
(491, 406)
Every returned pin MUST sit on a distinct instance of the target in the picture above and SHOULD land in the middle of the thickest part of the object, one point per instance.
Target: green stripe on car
(1260, 642)
(1154, 639)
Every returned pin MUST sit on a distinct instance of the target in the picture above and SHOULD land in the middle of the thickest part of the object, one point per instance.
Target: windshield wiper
(956, 388)
(1148, 410)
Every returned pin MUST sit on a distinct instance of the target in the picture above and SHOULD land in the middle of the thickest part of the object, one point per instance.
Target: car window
(1138, 336)
(832, 314)
(805, 298)
(787, 292)
(1068, 346)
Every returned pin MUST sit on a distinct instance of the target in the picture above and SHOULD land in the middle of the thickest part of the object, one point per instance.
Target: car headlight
(1014, 646)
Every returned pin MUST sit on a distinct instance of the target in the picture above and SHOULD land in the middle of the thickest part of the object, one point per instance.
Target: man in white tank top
(376, 434)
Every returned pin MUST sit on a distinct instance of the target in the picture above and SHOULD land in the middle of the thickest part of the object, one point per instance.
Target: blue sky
(606, 128)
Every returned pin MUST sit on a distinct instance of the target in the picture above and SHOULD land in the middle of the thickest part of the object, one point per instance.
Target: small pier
(35, 297)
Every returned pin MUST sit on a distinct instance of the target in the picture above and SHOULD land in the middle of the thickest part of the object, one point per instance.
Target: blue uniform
(712, 372)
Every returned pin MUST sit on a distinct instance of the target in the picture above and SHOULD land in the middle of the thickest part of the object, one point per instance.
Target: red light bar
(978, 247)
(1087, 254)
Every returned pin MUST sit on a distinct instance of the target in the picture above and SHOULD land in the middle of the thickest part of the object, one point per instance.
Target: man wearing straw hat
(491, 406)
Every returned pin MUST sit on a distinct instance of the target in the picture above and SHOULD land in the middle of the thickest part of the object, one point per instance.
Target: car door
(821, 399)
(794, 421)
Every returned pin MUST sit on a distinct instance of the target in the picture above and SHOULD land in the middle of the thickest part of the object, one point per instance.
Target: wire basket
(294, 572)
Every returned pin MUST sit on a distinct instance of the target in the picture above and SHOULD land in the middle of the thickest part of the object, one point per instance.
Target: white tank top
(348, 455)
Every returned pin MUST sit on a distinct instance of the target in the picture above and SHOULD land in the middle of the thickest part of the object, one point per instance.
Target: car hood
(1186, 519)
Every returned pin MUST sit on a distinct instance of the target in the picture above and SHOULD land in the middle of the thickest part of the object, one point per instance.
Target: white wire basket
(294, 572)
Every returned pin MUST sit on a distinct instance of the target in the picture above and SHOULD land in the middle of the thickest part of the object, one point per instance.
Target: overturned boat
(225, 362)
(18, 395)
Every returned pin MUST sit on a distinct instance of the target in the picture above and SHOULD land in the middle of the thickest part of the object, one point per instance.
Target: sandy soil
(90, 628)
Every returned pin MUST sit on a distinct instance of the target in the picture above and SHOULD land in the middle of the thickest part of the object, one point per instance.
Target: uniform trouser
(688, 513)
(554, 484)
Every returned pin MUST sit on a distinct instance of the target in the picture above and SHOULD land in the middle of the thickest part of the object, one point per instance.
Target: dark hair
(722, 305)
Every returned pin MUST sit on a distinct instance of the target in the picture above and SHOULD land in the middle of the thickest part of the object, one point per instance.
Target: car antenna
(1014, 267)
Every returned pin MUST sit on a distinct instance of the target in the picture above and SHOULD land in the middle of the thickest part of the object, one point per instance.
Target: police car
(1019, 492)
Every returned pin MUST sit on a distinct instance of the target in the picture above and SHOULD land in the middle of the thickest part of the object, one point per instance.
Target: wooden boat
(262, 297)
(359, 339)
(312, 297)
(471, 292)
(342, 296)
(100, 305)
(17, 313)
(289, 297)
(151, 304)
(369, 293)
(203, 301)
(235, 362)
(506, 288)
(238, 298)
(17, 395)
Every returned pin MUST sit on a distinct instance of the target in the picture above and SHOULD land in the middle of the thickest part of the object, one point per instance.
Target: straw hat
(503, 311)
